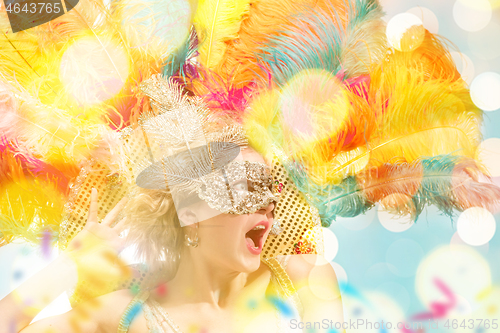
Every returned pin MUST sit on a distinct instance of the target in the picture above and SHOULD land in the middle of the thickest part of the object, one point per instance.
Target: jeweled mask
(240, 187)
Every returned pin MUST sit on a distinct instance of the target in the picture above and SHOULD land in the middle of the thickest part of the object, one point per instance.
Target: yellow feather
(27, 208)
(216, 22)
(425, 117)
(262, 126)
(344, 164)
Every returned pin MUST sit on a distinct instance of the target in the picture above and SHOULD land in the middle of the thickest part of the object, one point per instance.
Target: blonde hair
(155, 230)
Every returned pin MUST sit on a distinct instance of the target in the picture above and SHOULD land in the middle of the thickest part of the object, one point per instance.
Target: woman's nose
(266, 210)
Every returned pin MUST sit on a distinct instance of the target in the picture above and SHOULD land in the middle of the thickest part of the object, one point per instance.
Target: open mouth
(255, 236)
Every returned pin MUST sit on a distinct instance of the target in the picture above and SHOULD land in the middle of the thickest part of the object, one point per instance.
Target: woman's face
(234, 241)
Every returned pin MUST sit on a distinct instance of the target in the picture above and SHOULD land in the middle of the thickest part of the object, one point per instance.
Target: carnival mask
(240, 187)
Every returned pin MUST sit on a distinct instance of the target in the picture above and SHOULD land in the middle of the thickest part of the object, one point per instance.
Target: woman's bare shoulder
(317, 287)
(300, 266)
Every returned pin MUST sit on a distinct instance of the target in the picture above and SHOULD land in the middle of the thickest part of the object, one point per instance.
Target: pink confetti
(46, 240)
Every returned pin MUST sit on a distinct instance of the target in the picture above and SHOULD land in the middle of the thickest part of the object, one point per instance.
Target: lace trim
(161, 317)
(150, 322)
(157, 318)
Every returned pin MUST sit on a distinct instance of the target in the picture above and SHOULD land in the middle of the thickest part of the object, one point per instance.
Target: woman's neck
(199, 280)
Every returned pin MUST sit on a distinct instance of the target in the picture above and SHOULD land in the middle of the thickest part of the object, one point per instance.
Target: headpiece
(189, 153)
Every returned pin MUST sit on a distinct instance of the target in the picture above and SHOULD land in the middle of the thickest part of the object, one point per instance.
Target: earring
(189, 242)
(276, 229)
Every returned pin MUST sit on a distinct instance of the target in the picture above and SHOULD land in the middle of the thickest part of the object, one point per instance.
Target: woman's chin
(251, 268)
(249, 264)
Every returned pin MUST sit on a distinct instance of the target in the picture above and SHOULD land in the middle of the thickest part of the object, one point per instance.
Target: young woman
(221, 284)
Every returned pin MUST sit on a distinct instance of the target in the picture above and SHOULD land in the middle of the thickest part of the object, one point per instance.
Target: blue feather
(314, 41)
(437, 186)
(174, 65)
(345, 199)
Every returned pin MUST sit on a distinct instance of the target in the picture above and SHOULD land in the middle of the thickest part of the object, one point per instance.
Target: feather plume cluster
(66, 83)
(322, 39)
(31, 196)
(394, 128)
(44, 130)
(299, 35)
(277, 42)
